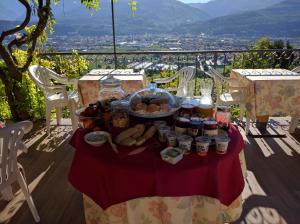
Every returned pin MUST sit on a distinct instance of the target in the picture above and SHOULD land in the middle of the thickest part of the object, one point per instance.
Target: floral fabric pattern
(89, 85)
(272, 95)
(166, 210)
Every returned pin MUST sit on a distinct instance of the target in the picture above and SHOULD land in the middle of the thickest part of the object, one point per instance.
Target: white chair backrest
(43, 78)
(186, 75)
(40, 75)
(10, 136)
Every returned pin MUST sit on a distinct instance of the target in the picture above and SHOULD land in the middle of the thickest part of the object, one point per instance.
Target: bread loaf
(125, 134)
(150, 133)
(140, 141)
(128, 142)
(140, 132)
(137, 151)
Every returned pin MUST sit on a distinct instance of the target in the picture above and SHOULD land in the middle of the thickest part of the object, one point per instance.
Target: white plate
(96, 138)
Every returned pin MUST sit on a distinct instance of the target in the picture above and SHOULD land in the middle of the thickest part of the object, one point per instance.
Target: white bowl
(96, 138)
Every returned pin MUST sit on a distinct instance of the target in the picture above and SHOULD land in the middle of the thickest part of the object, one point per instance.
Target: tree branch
(11, 66)
(22, 25)
(43, 14)
(18, 41)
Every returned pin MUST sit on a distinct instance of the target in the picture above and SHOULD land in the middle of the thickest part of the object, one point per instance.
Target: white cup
(222, 144)
(202, 145)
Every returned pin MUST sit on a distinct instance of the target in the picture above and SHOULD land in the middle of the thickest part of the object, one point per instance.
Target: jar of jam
(210, 128)
(181, 125)
(195, 128)
(186, 110)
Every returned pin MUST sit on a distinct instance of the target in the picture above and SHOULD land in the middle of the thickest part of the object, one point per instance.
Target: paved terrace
(272, 192)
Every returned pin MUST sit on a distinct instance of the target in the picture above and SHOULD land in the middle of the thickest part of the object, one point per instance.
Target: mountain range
(279, 20)
(217, 8)
(217, 17)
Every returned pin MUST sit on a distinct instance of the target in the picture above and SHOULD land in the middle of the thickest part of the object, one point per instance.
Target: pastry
(153, 108)
(165, 107)
(141, 107)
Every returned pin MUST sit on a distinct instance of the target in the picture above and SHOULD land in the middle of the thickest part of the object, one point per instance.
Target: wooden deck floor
(272, 190)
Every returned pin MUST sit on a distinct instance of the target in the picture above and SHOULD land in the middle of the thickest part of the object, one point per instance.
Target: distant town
(153, 42)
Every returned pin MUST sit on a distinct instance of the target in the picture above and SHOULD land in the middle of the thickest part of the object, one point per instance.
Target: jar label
(193, 131)
(212, 132)
(180, 130)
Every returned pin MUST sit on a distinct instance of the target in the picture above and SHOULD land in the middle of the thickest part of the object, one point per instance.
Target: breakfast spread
(183, 129)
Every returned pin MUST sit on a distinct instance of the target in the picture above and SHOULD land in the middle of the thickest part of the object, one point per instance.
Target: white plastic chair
(10, 170)
(236, 96)
(56, 96)
(186, 82)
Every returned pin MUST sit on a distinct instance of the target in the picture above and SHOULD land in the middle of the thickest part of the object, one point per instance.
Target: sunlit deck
(272, 192)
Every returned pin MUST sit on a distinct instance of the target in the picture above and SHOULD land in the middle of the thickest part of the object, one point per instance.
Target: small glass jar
(210, 128)
(110, 88)
(185, 143)
(119, 114)
(187, 110)
(195, 128)
(181, 125)
(162, 132)
(223, 116)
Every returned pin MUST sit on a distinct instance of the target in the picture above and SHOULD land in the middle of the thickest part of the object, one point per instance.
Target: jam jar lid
(196, 124)
(210, 124)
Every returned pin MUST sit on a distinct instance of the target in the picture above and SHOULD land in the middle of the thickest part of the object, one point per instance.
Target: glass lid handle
(152, 86)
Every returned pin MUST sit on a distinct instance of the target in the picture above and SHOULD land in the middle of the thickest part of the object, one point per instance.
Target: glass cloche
(153, 102)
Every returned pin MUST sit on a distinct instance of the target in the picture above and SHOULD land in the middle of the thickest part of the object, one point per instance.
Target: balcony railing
(283, 58)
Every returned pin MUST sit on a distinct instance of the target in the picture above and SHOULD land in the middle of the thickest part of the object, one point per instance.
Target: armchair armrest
(56, 89)
(166, 80)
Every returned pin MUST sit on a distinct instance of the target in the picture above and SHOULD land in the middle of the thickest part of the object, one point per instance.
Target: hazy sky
(194, 1)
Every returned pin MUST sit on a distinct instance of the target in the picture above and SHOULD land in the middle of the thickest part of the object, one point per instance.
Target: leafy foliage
(34, 102)
(267, 59)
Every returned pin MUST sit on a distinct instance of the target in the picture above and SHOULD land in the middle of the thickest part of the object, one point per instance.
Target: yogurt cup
(162, 131)
(171, 138)
(222, 144)
(202, 145)
(185, 143)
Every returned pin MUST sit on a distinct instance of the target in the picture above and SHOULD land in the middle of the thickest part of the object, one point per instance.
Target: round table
(110, 180)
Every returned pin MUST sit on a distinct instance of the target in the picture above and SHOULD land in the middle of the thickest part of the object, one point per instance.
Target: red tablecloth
(108, 179)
